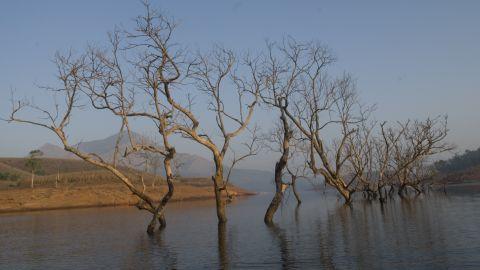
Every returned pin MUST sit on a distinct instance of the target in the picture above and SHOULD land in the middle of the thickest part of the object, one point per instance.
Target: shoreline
(47, 199)
(189, 199)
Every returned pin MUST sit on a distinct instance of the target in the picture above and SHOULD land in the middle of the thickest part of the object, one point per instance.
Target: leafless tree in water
(127, 79)
(395, 156)
(143, 74)
(361, 162)
(319, 105)
(412, 143)
(213, 75)
(139, 76)
(280, 86)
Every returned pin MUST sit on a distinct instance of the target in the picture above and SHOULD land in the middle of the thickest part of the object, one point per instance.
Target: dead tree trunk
(159, 211)
(294, 189)
(219, 187)
(279, 167)
(382, 193)
(278, 197)
(345, 192)
(401, 190)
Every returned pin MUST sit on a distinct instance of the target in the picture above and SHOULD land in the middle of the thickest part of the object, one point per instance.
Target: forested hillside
(465, 161)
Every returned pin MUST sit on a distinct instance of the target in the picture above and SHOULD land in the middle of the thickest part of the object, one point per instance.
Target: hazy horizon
(413, 60)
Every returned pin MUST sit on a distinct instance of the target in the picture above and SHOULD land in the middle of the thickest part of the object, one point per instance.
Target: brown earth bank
(464, 176)
(27, 199)
(67, 183)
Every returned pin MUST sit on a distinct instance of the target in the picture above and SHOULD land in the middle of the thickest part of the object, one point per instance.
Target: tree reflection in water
(424, 232)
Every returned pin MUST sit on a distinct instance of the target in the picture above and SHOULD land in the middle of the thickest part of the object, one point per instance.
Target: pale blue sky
(413, 58)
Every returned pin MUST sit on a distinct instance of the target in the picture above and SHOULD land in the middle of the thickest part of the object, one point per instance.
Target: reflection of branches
(287, 261)
(155, 252)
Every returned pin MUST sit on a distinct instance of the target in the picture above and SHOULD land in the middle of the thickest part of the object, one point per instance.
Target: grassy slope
(4, 168)
(51, 165)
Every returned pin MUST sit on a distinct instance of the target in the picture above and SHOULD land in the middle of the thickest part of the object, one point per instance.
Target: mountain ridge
(191, 165)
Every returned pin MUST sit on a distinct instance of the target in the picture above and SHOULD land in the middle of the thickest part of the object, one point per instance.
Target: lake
(435, 231)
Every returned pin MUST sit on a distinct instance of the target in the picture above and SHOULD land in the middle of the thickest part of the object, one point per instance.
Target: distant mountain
(190, 165)
(106, 146)
(53, 151)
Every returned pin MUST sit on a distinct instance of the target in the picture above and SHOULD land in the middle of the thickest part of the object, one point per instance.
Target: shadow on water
(426, 232)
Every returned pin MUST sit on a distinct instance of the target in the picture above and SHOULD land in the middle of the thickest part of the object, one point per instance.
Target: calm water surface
(433, 232)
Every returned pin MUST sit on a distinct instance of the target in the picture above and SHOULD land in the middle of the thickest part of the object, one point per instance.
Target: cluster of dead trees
(322, 128)
(384, 158)
(322, 118)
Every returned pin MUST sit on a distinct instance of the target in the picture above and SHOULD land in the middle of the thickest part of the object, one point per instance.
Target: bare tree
(411, 143)
(112, 79)
(320, 107)
(361, 158)
(169, 69)
(296, 173)
(321, 103)
(252, 149)
(213, 74)
(381, 157)
(290, 165)
(396, 157)
(280, 165)
(152, 73)
(371, 157)
(282, 76)
(59, 118)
